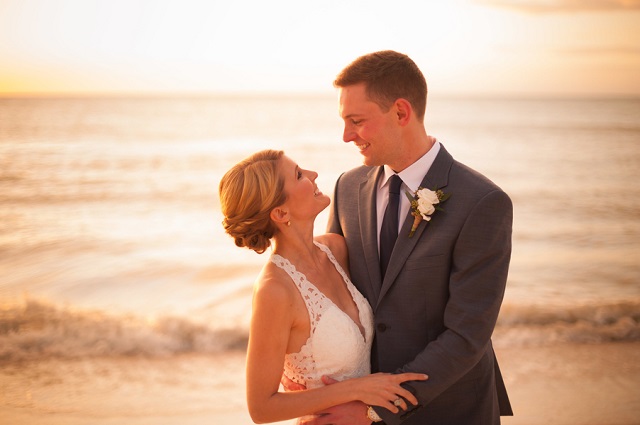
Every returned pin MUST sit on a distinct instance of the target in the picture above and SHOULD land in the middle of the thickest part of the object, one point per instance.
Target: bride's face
(304, 199)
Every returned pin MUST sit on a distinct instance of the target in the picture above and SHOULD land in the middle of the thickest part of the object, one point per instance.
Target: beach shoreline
(559, 384)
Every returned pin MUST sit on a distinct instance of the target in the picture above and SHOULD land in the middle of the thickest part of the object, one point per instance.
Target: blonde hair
(248, 192)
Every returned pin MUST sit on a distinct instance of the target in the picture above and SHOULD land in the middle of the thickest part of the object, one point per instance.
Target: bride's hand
(383, 389)
(289, 385)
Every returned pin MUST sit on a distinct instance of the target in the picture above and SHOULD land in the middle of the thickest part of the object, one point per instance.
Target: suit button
(381, 327)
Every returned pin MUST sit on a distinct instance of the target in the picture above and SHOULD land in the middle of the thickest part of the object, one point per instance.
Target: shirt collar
(412, 175)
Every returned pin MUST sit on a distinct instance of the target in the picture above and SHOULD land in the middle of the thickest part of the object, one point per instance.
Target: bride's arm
(273, 317)
(275, 313)
(271, 321)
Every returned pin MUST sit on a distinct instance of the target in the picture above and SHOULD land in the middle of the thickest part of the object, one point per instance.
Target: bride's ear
(279, 215)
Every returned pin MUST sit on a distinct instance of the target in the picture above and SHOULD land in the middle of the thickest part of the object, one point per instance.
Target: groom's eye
(299, 174)
(356, 122)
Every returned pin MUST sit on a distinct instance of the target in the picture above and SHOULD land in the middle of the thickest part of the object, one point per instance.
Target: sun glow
(463, 46)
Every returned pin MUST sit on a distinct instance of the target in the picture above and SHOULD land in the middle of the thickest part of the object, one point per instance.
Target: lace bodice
(336, 346)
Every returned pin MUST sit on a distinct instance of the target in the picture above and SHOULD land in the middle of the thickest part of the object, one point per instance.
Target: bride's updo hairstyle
(248, 192)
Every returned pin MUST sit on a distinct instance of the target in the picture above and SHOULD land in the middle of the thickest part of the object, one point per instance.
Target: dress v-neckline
(341, 272)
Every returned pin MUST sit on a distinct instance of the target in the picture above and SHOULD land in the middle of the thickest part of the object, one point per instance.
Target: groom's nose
(348, 135)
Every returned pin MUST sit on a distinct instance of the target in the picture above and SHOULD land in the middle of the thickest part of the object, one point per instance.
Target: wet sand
(562, 384)
(573, 384)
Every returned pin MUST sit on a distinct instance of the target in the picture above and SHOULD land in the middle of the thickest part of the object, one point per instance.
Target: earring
(289, 223)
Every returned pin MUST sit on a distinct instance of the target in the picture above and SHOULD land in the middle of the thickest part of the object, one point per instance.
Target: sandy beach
(573, 384)
(562, 384)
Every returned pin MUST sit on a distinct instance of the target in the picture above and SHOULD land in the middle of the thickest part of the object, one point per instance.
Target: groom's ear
(279, 215)
(403, 111)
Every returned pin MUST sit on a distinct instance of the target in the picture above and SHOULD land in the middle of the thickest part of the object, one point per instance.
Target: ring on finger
(397, 402)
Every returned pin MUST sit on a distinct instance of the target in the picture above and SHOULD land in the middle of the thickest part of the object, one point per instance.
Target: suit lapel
(436, 177)
(369, 228)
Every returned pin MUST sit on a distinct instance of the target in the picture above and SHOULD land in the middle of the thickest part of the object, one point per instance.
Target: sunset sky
(477, 47)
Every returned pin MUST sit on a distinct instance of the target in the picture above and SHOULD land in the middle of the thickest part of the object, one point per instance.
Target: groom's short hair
(388, 76)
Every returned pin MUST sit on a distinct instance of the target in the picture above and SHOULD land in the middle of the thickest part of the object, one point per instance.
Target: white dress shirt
(411, 178)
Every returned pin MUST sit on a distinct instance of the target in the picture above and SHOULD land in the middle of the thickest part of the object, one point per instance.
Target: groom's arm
(477, 283)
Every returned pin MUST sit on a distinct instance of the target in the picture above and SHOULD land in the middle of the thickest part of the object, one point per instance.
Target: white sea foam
(36, 330)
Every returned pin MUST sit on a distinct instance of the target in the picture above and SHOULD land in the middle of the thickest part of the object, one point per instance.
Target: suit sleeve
(480, 262)
(333, 224)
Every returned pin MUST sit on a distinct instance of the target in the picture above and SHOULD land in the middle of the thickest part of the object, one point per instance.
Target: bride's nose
(310, 174)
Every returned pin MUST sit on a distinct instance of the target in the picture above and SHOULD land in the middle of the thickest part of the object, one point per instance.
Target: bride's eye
(299, 174)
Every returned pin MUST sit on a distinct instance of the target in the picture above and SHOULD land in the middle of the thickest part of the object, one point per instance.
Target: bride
(308, 319)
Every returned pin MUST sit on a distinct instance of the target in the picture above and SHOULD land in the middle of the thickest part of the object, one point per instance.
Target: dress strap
(333, 260)
(352, 289)
(314, 300)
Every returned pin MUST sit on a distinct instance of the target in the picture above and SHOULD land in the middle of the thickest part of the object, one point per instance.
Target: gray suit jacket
(437, 307)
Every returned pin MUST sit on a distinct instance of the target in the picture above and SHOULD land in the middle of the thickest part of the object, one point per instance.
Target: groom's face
(373, 130)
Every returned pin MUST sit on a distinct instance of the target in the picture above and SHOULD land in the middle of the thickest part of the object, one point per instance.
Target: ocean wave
(35, 329)
(521, 325)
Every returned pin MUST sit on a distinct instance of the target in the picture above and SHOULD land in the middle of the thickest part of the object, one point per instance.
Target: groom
(437, 301)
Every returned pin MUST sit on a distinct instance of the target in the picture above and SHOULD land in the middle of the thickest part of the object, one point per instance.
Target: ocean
(111, 241)
(122, 300)
(110, 229)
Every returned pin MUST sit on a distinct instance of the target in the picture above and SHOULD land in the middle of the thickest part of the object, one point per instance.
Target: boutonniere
(424, 203)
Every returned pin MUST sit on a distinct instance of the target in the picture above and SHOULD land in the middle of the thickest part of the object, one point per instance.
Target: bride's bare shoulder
(337, 245)
(273, 286)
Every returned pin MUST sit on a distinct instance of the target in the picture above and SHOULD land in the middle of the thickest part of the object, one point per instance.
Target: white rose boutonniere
(424, 203)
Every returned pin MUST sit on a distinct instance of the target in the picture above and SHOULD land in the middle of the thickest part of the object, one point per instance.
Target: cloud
(563, 6)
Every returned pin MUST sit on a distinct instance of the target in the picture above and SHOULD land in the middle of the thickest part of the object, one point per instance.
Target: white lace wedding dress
(336, 347)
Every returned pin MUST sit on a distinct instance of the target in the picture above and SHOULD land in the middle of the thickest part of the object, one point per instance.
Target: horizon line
(300, 94)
